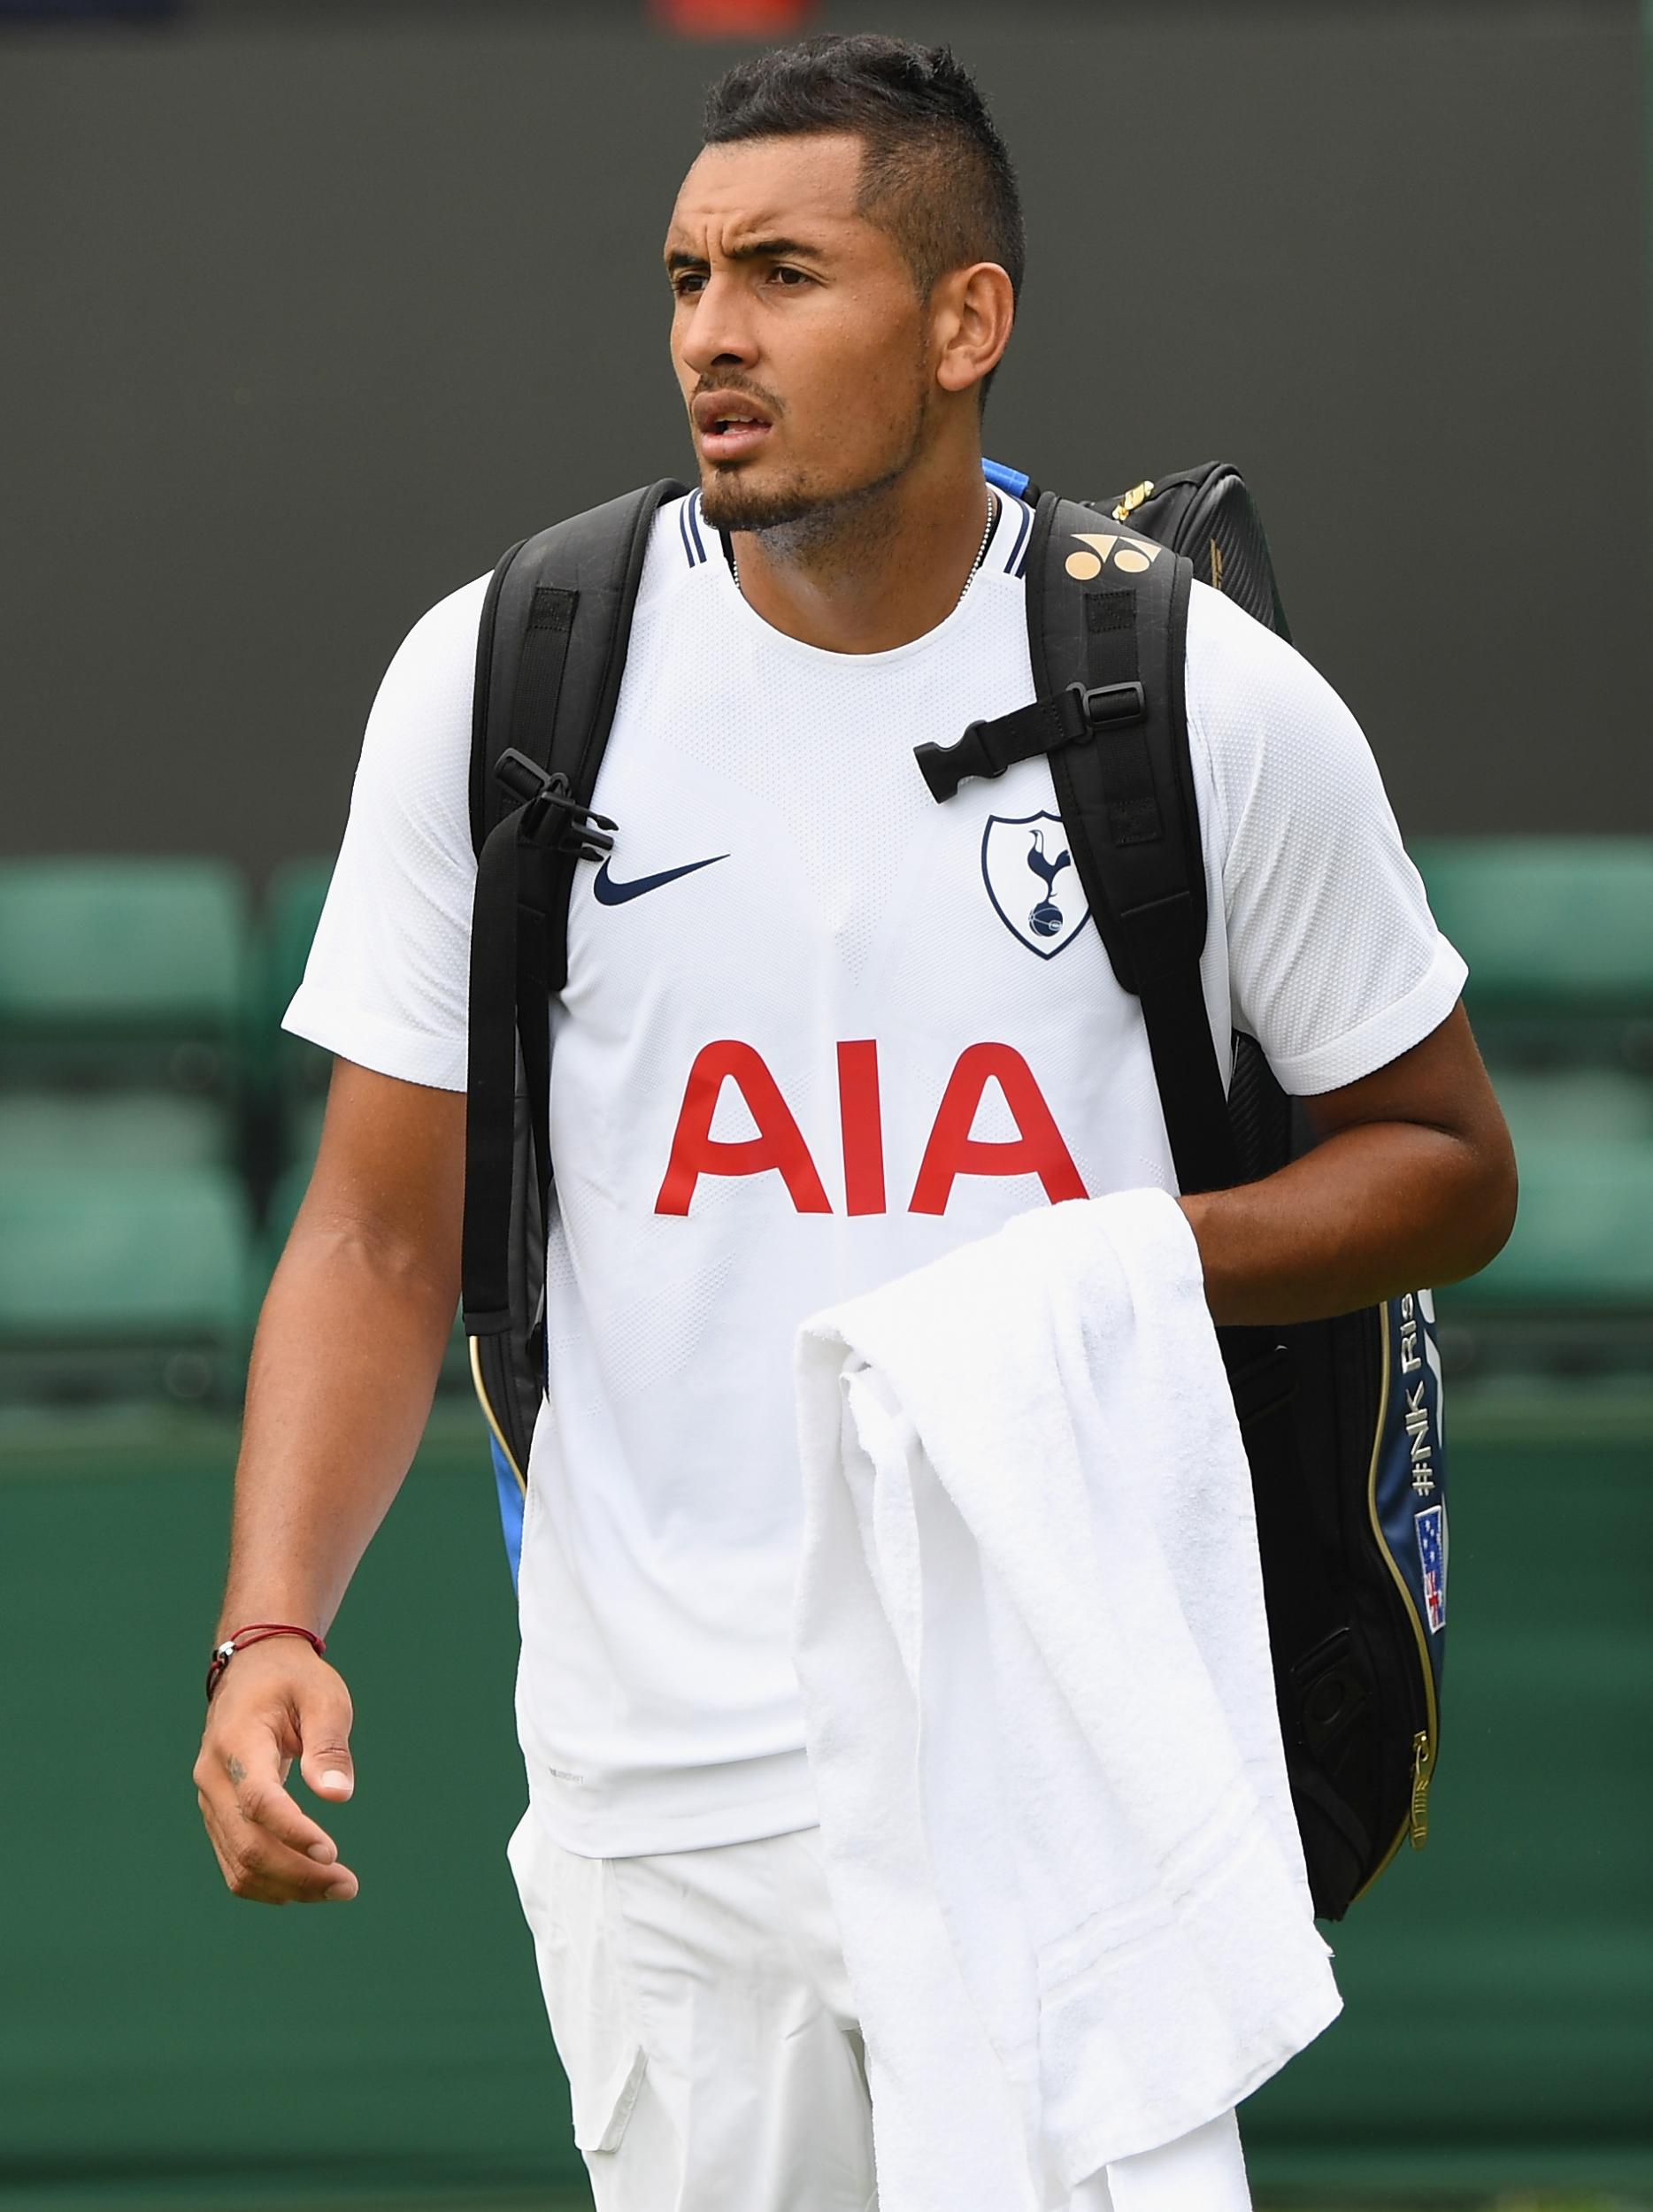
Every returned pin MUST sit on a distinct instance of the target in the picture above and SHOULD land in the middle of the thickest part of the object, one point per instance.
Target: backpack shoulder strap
(550, 648)
(550, 653)
(1107, 608)
(1107, 629)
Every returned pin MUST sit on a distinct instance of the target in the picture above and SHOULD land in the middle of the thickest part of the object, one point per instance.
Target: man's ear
(972, 311)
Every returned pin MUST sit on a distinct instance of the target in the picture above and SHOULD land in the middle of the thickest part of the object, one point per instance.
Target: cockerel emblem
(1029, 873)
(1046, 918)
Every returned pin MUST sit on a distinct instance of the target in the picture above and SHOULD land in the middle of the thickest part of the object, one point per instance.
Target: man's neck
(873, 575)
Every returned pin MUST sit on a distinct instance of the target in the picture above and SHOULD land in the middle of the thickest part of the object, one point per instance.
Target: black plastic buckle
(1072, 717)
(588, 837)
(1106, 707)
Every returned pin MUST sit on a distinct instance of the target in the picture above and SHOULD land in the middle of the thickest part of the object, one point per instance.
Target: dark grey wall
(311, 313)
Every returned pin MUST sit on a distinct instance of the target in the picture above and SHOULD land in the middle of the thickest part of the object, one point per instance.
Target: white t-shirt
(818, 1029)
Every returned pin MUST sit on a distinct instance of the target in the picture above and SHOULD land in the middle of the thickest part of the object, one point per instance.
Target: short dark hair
(936, 173)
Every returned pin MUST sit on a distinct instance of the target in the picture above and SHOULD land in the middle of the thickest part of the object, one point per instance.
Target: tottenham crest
(1031, 880)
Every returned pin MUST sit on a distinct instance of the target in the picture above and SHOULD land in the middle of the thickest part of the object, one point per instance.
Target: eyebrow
(758, 249)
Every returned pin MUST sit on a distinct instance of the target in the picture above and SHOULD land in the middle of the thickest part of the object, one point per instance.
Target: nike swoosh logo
(612, 893)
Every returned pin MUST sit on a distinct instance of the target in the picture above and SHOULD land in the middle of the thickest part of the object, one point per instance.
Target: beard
(730, 501)
(799, 519)
(806, 519)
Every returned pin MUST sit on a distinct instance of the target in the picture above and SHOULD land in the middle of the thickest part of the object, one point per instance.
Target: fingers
(269, 1848)
(324, 1731)
(257, 1865)
(260, 1801)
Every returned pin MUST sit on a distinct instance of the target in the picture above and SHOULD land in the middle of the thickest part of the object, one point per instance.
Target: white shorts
(701, 2008)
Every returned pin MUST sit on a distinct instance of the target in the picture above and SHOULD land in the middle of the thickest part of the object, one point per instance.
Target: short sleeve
(1336, 965)
(385, 985)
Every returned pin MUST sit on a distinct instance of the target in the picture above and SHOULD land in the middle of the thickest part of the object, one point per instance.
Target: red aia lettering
(696, 1152)
(862, 1115)
(1039, 1151)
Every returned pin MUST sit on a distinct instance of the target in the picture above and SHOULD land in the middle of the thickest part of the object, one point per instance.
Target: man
(799, 1052)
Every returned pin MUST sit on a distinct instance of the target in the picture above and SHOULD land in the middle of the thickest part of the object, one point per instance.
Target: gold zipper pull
(1132, 500)
(1423, 1768)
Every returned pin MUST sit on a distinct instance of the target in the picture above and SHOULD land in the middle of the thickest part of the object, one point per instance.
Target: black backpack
(1341, 1418)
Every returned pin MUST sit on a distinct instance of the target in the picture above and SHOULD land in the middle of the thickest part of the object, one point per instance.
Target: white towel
(1038, 1710)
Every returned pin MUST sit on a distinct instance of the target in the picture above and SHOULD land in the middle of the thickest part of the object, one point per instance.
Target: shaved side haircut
(935, 173)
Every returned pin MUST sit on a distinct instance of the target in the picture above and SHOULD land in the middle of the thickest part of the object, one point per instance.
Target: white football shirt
(818, 1029)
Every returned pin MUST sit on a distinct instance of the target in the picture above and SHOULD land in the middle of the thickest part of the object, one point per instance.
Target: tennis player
(807, 1043)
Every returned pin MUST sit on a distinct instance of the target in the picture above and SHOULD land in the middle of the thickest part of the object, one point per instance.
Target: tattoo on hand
(236, 1770)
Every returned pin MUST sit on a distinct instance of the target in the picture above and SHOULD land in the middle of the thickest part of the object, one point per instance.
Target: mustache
(743, 388)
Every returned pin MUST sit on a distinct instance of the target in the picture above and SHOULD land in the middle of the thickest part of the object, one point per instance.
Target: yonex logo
(1132, 555)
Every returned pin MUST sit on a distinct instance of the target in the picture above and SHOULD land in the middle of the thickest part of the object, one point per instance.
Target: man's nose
(716, 332)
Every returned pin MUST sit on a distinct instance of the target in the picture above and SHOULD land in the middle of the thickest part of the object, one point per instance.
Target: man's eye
(790, 278)
(688, 283)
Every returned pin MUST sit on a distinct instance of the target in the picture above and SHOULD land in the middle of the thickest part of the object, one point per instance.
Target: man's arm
(344, 1366)
(1413, 1181)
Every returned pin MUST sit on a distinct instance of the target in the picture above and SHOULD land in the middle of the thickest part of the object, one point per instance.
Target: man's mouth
(729, 426)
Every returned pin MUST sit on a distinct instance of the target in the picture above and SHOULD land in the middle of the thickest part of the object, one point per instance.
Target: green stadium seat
(111, 1128)
(1558, 935)
(1609, 1104)
(1572, 1290)
(119, 1281)
(1549, 926)
(294, 1074)
(131, 968)
(1583, 1238)
(293, 904)
(292, 908)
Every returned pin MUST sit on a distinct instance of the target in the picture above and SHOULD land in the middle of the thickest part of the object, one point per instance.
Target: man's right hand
(276, 1701)
(349, 1345)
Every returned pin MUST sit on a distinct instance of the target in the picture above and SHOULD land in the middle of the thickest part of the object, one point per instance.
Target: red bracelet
(257, 1633)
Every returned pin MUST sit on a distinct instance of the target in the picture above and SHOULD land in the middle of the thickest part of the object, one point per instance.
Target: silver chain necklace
(982, 552)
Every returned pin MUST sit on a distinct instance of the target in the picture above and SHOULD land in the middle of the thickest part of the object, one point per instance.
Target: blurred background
(311, 308)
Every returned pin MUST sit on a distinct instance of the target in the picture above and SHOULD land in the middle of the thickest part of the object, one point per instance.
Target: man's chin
(733, 495)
